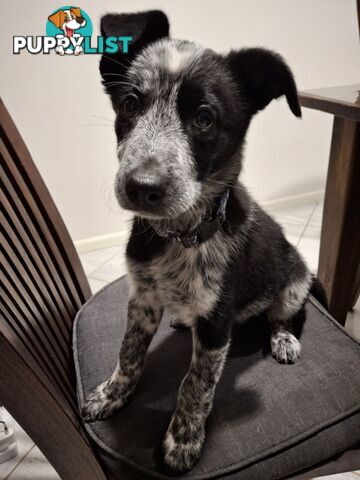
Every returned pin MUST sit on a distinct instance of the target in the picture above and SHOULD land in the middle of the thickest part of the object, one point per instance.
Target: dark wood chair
(339, 259)
(43, 287)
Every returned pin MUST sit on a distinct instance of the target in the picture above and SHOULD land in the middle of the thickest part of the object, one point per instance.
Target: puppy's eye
(66, 19)
(204, 118)
(131, 105)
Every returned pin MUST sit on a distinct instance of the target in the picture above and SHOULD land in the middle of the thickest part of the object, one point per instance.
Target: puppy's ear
(144, 28)
(57, 18)
(261, 76)
(76, 11)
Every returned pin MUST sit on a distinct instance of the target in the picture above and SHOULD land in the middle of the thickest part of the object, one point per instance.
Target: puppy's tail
(317, 291)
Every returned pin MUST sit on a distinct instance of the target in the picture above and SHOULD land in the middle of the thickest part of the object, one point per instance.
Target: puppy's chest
(188, 281)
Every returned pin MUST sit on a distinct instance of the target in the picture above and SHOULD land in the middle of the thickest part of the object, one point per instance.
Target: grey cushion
(269, 420)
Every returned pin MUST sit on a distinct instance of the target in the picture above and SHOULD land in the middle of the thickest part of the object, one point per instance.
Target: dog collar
(207, 227)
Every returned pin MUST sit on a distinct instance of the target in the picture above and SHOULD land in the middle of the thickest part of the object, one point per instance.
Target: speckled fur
(245, 269)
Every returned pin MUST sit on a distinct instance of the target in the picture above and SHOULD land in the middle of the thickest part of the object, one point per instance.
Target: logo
(74, 24)
(69, 32)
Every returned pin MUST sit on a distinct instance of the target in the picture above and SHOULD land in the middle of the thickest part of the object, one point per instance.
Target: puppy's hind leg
(285, 347)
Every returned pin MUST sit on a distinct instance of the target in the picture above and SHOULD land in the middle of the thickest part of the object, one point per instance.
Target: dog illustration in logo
(68, 20)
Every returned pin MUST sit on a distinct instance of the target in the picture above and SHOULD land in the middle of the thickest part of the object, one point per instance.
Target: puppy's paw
(181, 452)
(103, 402)
(285, 347)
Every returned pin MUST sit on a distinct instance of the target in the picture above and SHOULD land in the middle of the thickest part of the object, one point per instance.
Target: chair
(43, 289)
(43, 286)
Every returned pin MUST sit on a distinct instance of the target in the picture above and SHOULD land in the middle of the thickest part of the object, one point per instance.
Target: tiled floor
(302, 227)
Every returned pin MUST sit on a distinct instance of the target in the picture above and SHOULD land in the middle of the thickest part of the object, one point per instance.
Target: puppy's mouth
(69, 31)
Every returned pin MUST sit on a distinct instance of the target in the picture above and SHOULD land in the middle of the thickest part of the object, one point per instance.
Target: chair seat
(269, 420)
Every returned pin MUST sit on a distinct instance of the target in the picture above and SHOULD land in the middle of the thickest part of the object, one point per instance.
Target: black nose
(79, 19)
(144, 189)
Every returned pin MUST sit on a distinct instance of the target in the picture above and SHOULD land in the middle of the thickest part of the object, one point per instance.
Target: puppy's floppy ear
(57, 18)
(144, 28)
(76, 11)
(261, 76)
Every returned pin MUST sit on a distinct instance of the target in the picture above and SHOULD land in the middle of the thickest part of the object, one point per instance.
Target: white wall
(56, 101)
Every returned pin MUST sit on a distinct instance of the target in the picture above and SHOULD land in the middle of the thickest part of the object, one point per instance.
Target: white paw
(182, 451)
(104, 401)
(78, 49)
(285, 347)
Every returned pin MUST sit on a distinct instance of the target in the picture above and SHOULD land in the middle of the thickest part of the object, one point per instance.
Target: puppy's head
(68, 20)
(182, 112)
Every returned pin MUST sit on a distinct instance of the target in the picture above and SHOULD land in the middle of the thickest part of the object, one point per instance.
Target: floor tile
(352, 324)
(96, 285)
(340, 476)
(34, 467)
(309, 244)
(23, 441)
(309, 249)
(316, 217)
(292, 232)
(294, 220)
(112, 269)
(91, 261)
(295, 215)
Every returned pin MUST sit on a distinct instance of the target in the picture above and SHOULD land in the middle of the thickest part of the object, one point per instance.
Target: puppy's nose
(79, 19)
(144, 189)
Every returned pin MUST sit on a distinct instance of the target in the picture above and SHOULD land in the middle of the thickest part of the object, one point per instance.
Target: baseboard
(120, 238)
(102, 241)
(293, 200)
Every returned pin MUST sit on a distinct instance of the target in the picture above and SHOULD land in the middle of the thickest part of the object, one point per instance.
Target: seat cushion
(268, 421)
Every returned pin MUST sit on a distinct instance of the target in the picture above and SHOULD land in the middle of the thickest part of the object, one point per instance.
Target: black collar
(207, 228)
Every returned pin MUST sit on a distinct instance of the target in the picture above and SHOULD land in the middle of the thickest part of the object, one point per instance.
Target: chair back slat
(42, 278)
(39, 220)
(52, 220)
(60, 373)
(26, 296)
(30, 351)
(35, 253)
(30, 237)
(35, 286)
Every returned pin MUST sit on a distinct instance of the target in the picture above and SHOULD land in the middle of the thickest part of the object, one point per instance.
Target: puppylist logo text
(69, 32)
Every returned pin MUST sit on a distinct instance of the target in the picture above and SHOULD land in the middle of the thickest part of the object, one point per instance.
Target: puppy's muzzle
(145, 190)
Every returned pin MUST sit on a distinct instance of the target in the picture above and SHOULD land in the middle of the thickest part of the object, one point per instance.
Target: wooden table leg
(340, 235)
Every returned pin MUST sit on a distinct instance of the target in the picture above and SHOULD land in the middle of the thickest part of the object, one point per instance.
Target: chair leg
(55, 432)
(340, 236)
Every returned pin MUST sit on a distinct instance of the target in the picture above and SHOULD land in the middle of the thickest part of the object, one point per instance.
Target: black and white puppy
(200, 245)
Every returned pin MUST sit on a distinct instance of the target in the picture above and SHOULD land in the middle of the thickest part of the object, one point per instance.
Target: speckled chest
(188, 281)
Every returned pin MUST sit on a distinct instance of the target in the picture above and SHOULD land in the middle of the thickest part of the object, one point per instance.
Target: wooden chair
(44, 286)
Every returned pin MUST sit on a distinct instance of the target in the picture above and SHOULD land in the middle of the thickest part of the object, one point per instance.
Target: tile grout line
(307, 223)
(18, 463)
(98, 268)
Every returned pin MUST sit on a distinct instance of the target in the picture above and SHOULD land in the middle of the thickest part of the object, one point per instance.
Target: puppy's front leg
(144, 315)
(184, 438)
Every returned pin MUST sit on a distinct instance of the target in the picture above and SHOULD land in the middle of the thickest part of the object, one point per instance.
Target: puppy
(68, 20)
(200, 245)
